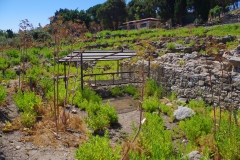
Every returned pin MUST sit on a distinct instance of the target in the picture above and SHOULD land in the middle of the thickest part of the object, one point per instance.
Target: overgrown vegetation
(3, 94)
(154, 141)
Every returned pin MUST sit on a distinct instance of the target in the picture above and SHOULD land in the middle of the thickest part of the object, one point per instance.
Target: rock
(182, 100)
(201, 83)
(18, 147)
(235, 61)
(188, 50)
(74, 111)
(183, 112)
(194, 155)
(228, 38)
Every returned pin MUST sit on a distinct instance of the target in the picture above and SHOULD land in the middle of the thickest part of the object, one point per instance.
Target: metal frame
(97, 55)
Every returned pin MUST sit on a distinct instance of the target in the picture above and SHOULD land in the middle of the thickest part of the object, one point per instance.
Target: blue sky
(36, 11)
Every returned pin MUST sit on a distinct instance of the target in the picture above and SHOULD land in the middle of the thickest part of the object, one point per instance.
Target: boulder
(183, 112)
(194, 155)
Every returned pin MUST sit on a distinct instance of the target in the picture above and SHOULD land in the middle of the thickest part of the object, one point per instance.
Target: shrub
(171, 46)
(152, 88)
(155, 140)
(228, 140)
(15, 61)
(194, 104)
(196, 127)
(151, 104)
(10, 74)
(173, 96)
(27, 101)
(130, 89)
(3, 94)
(97, 122)
(13, 53)
(110, 112)
(100, 115)
(116, 91)
(98, 148)
(88, 94)
(166, 109)
(27, 119)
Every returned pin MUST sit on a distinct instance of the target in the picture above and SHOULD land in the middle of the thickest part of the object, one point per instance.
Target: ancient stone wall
(195, 76)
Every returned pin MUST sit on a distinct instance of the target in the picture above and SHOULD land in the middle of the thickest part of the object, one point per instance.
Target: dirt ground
(13, 148)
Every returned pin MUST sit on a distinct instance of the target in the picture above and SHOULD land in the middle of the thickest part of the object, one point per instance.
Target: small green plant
(130, 89)
(155, 140)
(196, 126)
(173, 96)
(88, 94)
(181, 62)
(171, 46)
(28, 119)
(3, 94)
(116, 91)
(151, 104)
(27, 101)
(100, 115)
(98, 148)
(151, 88)
(191, 44)
(166, 109)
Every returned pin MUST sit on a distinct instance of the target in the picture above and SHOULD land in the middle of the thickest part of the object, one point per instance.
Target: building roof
(98, 55)
(140, 20)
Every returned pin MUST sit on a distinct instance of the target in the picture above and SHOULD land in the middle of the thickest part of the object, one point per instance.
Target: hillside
(43, 113)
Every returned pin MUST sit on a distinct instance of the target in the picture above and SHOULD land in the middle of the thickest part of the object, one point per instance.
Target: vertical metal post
(118, 66)
(149, 65)
(113, 77)
(30, 83)
(65, 75)
(95, 80)
(81, 71)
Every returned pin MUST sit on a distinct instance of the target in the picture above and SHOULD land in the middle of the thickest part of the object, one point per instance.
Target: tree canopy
(111, 13)
(114, 12)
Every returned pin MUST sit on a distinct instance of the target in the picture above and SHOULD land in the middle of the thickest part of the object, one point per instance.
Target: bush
(100, 115)
(27, 101)
(110, 112)
(116, 91)
(3, 94)
(228, 140)
(130, 89)
(151, 104)
(196, 127)
(154, 140)
(28, 119)
(196, 104)
(10, 74)
(15, 61)
(152, 88)
(98, 148)
(171, 46)
(13, 53)
(88, 94)
(97, 122)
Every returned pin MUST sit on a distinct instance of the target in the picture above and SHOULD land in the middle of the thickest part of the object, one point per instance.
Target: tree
(166, 9)
(92, 12)
(72, 15)
(180, 8)
(9, 33)
(112, 11)
(135, 9)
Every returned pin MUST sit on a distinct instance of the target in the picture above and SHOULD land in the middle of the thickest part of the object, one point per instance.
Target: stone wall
(195, 76)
